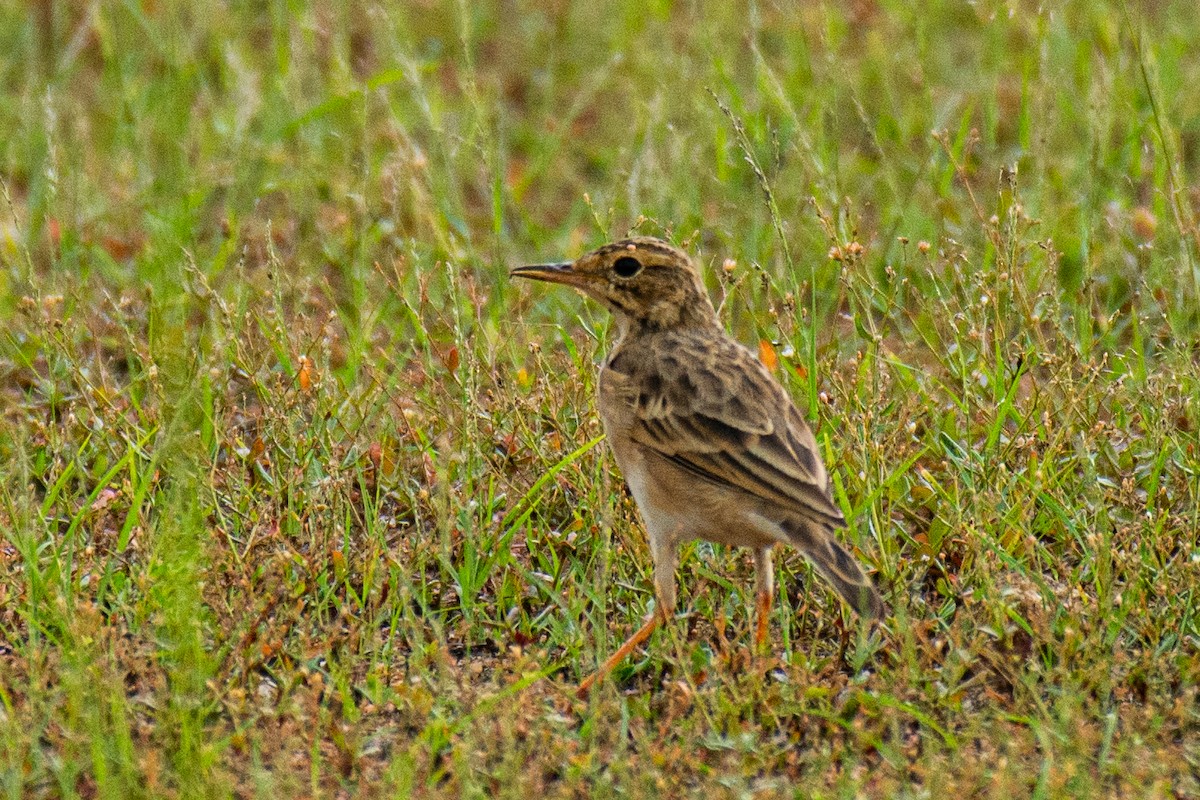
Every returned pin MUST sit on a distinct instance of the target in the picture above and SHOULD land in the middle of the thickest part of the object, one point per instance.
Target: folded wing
(714, 410)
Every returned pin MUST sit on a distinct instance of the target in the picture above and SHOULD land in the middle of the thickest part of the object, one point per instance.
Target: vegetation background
(301, 497)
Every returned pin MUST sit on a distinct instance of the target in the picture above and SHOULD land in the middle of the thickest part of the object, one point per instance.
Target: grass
(301, 497)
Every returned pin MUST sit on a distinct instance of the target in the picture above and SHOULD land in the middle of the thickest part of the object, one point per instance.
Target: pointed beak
(552, 273)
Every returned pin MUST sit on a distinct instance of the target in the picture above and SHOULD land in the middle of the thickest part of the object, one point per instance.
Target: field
(301, 496)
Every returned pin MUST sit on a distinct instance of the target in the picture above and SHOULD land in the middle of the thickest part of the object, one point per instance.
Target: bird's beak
(552, 273)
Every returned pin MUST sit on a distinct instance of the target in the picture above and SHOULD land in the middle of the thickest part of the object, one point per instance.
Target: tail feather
(836, 565)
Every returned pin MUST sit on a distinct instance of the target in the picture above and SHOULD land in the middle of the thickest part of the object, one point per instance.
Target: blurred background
(485, 132)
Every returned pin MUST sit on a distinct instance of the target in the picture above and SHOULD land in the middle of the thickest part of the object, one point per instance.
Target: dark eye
(627, 266)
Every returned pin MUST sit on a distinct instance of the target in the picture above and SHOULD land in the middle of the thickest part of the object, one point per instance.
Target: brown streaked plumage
(710, 444)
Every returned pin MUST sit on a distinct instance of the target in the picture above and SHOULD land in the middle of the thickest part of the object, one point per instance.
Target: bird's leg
(765, 590)
(665, 558)
(641, 635)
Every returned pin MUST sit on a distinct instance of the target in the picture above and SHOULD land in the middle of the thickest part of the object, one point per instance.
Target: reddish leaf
(766, 354)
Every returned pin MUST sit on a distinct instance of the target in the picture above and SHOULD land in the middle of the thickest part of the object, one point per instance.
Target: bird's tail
(836, 565)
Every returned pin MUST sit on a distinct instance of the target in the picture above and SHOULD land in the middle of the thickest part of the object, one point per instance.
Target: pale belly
(677, 506)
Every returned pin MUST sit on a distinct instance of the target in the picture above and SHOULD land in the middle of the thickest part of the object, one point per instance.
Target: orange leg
(624, 650)
(665, 555)
(763, 605)
(765, 575)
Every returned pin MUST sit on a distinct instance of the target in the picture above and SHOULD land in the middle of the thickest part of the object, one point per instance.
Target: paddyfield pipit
(710, 444)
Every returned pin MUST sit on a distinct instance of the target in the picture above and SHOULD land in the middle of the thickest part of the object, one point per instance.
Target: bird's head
(644, 281)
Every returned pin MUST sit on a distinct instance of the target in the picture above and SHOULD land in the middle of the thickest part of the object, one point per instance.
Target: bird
(710, 444)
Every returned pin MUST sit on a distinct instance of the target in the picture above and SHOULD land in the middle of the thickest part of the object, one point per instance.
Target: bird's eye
(627, 266)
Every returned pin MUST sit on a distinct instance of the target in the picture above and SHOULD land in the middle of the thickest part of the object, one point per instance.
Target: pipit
(710, 444)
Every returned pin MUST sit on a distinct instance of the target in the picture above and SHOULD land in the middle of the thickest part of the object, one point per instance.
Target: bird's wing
(711, 407)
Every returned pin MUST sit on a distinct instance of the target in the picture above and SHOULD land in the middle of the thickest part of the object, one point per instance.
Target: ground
(301, 496)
